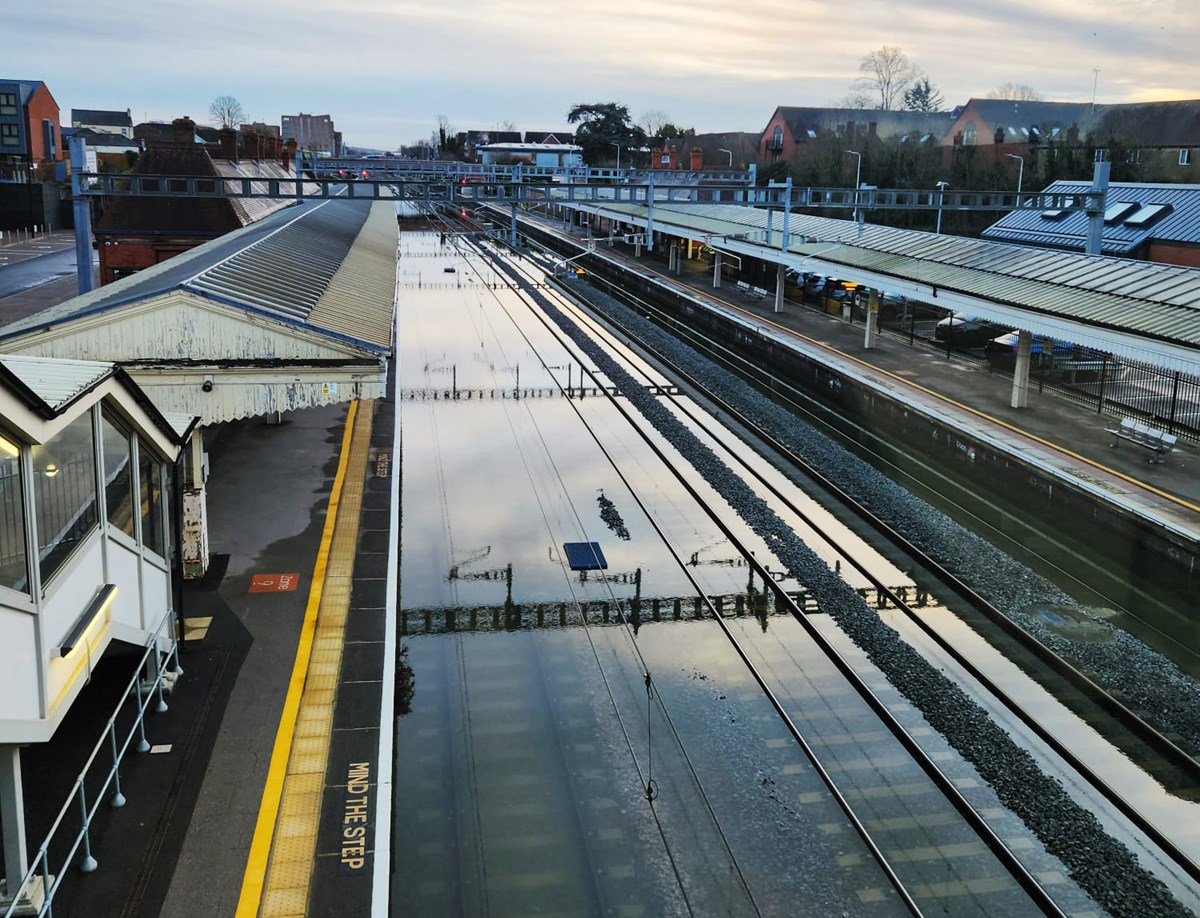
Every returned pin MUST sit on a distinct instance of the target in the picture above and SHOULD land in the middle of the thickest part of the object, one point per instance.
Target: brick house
(793, 131)
(30, 135)
(734, 150)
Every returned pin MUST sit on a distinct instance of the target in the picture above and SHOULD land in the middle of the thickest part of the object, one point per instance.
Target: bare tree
(227, 111)
(1018, 92)
(886, 73)
(856, 99)
(652, 122)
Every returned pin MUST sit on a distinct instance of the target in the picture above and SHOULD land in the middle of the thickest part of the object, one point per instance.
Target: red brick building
(30, 135)
(137, 232)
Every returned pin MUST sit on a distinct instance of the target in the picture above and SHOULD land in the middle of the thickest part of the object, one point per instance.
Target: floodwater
(538, 727)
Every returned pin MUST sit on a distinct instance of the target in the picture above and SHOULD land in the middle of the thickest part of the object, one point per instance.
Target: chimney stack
(229, 148)
(183, 130)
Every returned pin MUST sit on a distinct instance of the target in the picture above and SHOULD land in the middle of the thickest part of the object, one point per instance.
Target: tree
(652, 122)
(857, 100)
(923, 96)
(602, 126)
(227, 111)
(658, 128)
(1018, 92)
(886, 73)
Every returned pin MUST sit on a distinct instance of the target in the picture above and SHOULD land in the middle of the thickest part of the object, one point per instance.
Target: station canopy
(1133, 309)
(290, 312)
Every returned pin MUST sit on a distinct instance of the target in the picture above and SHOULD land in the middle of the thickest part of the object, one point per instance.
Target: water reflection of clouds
(467, 485)
(521, 476)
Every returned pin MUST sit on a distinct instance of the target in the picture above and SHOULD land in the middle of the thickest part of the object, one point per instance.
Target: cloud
(384, 69)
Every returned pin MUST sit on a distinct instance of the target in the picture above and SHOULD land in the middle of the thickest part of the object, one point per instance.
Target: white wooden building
(85, 544)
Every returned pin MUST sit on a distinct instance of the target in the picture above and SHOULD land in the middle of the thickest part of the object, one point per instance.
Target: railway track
(1038, 896)
(1176, 767)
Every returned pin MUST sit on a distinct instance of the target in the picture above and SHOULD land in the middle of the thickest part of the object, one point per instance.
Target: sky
(386, 69)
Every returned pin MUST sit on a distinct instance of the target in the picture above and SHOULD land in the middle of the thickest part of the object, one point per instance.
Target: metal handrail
(40, 868)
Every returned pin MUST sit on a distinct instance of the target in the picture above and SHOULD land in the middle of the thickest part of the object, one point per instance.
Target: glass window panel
(118, 474)
(64, 493)
(14, 571)
(150, 484)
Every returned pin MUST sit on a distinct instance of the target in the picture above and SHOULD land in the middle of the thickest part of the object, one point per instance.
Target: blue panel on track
(585, 556)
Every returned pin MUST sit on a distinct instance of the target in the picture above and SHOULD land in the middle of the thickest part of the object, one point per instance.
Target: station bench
(1159, 442)
(752, 290)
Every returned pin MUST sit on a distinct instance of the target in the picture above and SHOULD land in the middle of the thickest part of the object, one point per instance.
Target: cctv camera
(207, 385)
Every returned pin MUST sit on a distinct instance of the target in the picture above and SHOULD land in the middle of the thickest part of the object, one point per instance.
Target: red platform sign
(274, 583)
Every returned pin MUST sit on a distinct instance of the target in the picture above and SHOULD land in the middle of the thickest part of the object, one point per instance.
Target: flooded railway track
(1158, 754)
(894, 601)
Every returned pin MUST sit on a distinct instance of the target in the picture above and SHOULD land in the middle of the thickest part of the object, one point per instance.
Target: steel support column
(716, 270)
(787, 217)
(780, 272)
(1020, 389)
(650, 213)
(872, 328)
(1095, 210)
(83, 216)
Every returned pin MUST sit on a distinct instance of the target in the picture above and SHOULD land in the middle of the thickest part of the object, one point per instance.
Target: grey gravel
(1103, 867)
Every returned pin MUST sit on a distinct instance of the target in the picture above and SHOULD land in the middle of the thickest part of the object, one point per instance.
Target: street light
(730, 152)
(857, 177)
(941, 186)
(618, 146)
(1020, 172)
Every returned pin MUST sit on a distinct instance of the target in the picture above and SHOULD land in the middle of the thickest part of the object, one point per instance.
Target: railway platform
(268, 749)
(1059, 436)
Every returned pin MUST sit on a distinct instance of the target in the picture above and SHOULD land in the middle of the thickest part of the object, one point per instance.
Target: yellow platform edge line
(289, 873)
(254, 878)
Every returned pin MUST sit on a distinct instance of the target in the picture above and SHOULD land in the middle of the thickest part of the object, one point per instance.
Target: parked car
(1001, 351)
(960, 330)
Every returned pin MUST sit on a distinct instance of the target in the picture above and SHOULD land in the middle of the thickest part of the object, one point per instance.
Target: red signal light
(341, 171)
(464, 213)
(464, 181)
(364, 173)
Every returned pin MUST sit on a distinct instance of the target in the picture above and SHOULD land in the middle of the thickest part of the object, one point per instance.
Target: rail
(42, 881)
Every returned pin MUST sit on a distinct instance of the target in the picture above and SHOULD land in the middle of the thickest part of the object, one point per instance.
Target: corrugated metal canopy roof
(1152, 302)
(48, 387)
(56, 383)
(281, 266)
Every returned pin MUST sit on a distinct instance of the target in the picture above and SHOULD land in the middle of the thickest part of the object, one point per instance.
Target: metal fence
(69, 839)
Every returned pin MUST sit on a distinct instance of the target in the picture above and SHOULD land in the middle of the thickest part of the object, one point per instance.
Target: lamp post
(618, 146)
(730, 152)
(857, 178)
(1020, 171)
(941, 194)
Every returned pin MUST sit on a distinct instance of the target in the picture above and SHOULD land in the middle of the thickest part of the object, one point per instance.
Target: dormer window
(777, 139)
